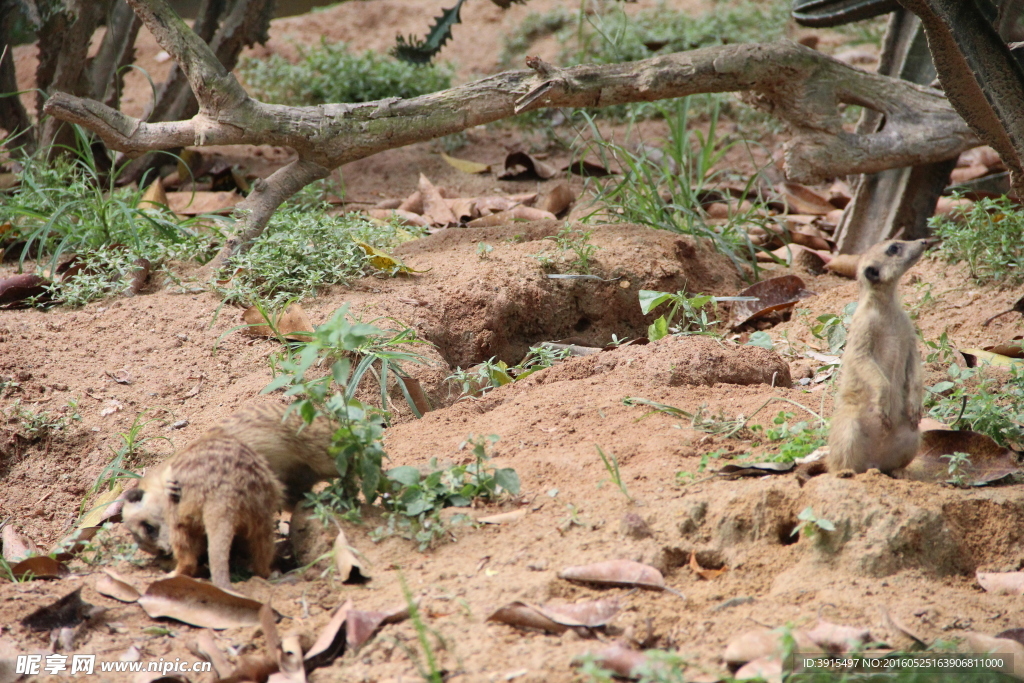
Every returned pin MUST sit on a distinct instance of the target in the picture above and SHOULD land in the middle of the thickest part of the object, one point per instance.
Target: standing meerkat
(297, 456)
(207, 494)
(878, 404)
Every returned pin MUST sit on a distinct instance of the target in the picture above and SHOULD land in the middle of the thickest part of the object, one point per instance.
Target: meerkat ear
(133, 495)
(871, 273)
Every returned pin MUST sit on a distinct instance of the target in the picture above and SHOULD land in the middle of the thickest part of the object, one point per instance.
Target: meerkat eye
(892, 250)
(871, 273)
(149, 529)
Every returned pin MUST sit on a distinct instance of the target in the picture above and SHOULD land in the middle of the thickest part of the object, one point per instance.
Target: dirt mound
(474, 304)
(882, 526)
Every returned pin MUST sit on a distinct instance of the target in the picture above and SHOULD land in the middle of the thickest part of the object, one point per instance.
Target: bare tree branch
(794, 83)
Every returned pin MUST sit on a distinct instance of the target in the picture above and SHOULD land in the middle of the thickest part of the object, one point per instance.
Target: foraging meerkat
(206, 495)
(296, 455)
(878, 404)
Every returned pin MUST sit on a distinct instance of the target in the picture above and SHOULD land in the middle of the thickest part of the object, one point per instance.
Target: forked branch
(802, 87)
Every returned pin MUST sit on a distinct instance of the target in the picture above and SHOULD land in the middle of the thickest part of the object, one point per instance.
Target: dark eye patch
(871, 273)
(892, 250)
(149, 529)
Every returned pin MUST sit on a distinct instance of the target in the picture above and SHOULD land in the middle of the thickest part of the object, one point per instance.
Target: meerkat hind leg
(220, 532)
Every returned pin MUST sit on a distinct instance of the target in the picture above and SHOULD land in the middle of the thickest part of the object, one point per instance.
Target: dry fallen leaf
(198, 603)
(837, 638)
(112, 406)
(523, 615)
(291, 668)
(588, 169)
(976, 357)
(464, 208)
(154, 197)
(465, 165)
(763, 669)
(114, 586)
(755, 469)
(195, 203)
(492, 220)
(621, 660)
(350, 570)
(39, 567)
(616, 573)
(384, 261)
(558, 199)
(16, 289)
(206, 648)
(706, 574)
(99, 508)
(900, 635)
(405, 217)
(1010, 349)
(844, 265)
(775, 294)
(292, 323)
(522, 166)
(1001, 583)
(802, 199)
(415, 391)
(755, 644)
(947, 205)
(494, 204)
(330, 644)
(16, 546)
(503, 517)
(989, 461)
(413, 203)
(435, 209)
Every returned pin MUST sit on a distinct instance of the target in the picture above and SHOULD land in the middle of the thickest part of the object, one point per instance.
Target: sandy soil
(908, 548)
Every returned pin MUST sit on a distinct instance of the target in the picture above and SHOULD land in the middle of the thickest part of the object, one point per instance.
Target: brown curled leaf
(616, 573)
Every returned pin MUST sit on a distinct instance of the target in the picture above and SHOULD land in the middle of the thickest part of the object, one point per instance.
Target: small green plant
(987, 236)
(793, 440)
(664, 187)
(492, 374)
(761, 339)
(107, 547)
(694, 319)
(611, 464)
(356, 446)
(415, 500)
(578, 242)
(314, 79)
(833, 328)
(430, 671)
(940, 350)
(303, 250)
(974, 399)
(127, 456)
(700, 420)
(958, 464)
(68, 205)
(812, 524)
(33, 425)
(5, 570)
(483, 250)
